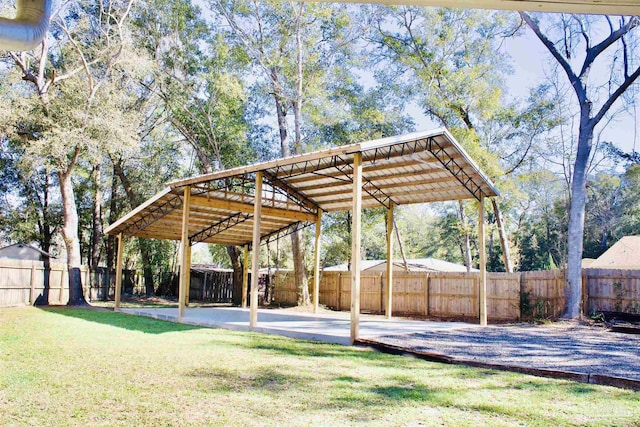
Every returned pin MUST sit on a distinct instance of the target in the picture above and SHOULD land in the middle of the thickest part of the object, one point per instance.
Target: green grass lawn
(87, 367)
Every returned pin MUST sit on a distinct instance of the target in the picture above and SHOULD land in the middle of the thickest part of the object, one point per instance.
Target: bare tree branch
(596, 50)
(573, 79)
(628, 81)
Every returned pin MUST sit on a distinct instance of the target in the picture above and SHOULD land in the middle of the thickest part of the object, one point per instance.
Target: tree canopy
(124, 96)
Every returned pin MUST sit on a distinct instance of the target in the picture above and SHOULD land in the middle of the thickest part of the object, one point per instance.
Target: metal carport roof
(418, 167)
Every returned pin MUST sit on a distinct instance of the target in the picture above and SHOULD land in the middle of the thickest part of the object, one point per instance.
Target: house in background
(25, 252)
(413, 264)
(624, 255)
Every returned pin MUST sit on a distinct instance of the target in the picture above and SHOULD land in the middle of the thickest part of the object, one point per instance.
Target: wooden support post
(255, 255)
(316, 263)
(483, 263)
(389, 308)
(506, 255)
(118, 290)
(245, 276)
(32, 294)
(355, 246)
(188, 280)
(183, 286)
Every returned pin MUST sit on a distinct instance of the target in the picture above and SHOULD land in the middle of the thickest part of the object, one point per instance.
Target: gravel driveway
(564, 346)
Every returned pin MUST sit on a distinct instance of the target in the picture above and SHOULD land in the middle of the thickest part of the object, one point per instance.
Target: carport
(248, 205)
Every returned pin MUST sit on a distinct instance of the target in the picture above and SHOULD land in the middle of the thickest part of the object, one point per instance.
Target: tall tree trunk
(296, 238)
(112, 218)
(147, 272)
(143, 246)
(299, 271)
(234, 255)
(96, 235)
(281, 114)
(575, 240)
(46, 230)
(465, 236)
(111, 240)
(71, 241)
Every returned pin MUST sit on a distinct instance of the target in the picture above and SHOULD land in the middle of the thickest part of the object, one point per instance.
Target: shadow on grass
(302, 348)
(125, 321)
(266, 380)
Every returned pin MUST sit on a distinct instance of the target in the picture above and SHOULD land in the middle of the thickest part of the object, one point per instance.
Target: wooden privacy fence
(438, 294)
(25, 282)
(510, 296)
(211, 286)
(612, 290)
(103, 283)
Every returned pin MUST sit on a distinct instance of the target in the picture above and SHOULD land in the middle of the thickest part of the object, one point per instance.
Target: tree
(295, 48)
(28, 209)
(75, 104)
(198, 82)
(432, 55)
(562, 37)
(541, 226)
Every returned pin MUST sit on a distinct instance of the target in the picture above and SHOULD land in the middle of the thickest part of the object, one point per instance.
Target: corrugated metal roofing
(420, 167)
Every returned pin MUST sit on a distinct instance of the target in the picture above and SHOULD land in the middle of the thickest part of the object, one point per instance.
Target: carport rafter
(156, 213)
(456, 170)
(218, 227)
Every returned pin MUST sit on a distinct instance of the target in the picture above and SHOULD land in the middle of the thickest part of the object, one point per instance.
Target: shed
(623, 255)
(24, 252)
(413, 264)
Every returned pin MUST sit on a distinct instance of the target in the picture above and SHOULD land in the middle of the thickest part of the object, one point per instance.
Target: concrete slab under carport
(325, 327)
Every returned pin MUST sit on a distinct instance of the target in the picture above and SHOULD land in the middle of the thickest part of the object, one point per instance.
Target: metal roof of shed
(419, 167)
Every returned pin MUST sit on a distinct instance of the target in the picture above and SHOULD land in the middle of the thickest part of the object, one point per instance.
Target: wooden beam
(255, 258)
(316, 263)
(229, 205)
(601, 7)
(482, 250)
(188, 280)
(389, 309)
(184, 244)
(356, 218)
(506, 255)
(118, 290)
(245, 276)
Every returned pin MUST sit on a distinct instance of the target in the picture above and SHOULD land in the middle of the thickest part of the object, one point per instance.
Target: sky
(531, 64)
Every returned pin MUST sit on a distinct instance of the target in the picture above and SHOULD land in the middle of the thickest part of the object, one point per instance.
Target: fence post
(32, 294)
(87, 284)
(339, 296)
(426, 294)
(62, 282)
(585, 292)
(381, 293)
